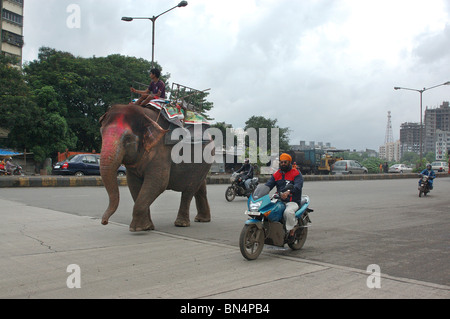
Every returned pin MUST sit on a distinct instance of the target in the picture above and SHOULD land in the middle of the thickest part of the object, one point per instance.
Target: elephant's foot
(182, 222)
(138, 227)
(202, 219)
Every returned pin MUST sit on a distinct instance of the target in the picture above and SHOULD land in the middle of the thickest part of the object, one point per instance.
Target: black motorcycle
(237, 187)
(424, 186)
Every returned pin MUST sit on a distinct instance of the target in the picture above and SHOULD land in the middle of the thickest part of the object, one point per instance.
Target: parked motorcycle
(237, 187)
(424, 187)
(17, 171)
(266, 226)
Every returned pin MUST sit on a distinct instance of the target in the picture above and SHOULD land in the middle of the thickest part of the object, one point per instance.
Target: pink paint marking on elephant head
(127, 132)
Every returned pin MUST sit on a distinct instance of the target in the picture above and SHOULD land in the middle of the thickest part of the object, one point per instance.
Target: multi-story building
(442, 144)
(390, 151)
(11, 28)
(410, 137)
(436, 119)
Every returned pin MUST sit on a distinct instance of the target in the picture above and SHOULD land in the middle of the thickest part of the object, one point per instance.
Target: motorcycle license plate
(247, 212)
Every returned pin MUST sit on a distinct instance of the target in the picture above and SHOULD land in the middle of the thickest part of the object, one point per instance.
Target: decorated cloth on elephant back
(174, 113)
(181, 117)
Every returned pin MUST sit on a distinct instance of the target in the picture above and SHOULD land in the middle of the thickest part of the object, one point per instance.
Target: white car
(439, 166)
(400, 168)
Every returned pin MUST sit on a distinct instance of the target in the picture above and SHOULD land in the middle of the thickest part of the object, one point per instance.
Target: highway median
(91, 181)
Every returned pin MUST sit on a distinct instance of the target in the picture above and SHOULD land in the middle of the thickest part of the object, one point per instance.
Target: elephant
(133, 135)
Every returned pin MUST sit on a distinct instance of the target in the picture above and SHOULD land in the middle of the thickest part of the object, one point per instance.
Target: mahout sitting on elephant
(134, 136)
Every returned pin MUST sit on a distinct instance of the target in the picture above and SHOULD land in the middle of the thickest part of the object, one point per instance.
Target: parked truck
(307, 161)
(315, 161)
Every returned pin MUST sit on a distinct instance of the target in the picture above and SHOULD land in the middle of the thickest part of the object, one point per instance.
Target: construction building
(410, 137)
(11, 28)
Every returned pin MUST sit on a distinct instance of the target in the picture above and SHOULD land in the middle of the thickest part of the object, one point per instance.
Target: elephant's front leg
(138, 224)
(203, 210)
(183, 212)
(143, 198)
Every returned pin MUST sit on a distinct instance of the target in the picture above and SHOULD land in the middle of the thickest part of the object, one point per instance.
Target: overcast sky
(324, 68)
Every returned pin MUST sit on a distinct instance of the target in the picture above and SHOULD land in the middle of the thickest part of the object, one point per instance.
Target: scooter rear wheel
(251, 242)
(300, 238)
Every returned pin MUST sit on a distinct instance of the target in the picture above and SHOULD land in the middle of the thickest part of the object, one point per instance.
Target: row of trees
(54, 103)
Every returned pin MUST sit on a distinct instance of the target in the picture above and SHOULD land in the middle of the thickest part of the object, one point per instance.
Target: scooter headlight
(254, 206)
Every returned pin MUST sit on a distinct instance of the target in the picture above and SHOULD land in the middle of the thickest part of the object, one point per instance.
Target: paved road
(355, 223)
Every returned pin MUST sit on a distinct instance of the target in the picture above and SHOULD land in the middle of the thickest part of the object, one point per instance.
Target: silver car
(439, 166)
(400, 168)
(348, 167)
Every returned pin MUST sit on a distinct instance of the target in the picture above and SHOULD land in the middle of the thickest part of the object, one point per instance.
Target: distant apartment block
(435, 120)
(390, 151)
(11, 28)
(442, 144)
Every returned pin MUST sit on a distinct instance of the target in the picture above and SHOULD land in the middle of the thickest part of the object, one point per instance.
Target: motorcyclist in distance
(10, 166)
(247, 173)
(430, 173)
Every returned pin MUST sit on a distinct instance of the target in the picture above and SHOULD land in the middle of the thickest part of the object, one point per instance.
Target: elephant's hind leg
(183, 212)
(201, 200)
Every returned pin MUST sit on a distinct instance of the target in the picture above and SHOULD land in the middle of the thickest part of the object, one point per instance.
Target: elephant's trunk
(110, 160)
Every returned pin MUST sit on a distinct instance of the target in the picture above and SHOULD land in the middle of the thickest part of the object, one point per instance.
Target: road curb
(71, 181)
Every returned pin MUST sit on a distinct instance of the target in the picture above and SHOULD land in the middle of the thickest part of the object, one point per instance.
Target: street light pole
(153, 20)
(421, 95)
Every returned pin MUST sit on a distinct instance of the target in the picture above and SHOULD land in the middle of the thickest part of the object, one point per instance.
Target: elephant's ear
(102, 118)
(152, 133)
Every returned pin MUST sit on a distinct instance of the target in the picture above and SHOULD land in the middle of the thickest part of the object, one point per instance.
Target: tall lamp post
(421, 93)
(153, 20)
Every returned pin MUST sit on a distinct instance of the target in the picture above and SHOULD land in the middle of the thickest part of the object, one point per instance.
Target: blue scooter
(266, 226)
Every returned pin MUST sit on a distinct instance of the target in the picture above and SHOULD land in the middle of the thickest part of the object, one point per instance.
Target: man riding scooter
(430, 173)
(289, 183)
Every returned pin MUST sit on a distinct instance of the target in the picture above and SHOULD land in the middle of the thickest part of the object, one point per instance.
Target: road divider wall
(70, 181)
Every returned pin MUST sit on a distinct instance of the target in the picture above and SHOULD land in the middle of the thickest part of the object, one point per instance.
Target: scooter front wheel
(251, 242)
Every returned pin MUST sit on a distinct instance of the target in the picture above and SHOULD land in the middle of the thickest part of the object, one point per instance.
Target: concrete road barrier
(71, 181)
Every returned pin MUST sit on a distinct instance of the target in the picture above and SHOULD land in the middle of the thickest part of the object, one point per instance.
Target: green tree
(258, 122)
(31, 116)
(222, 126)
(410, 158)
(372, 164)
(430, 157)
